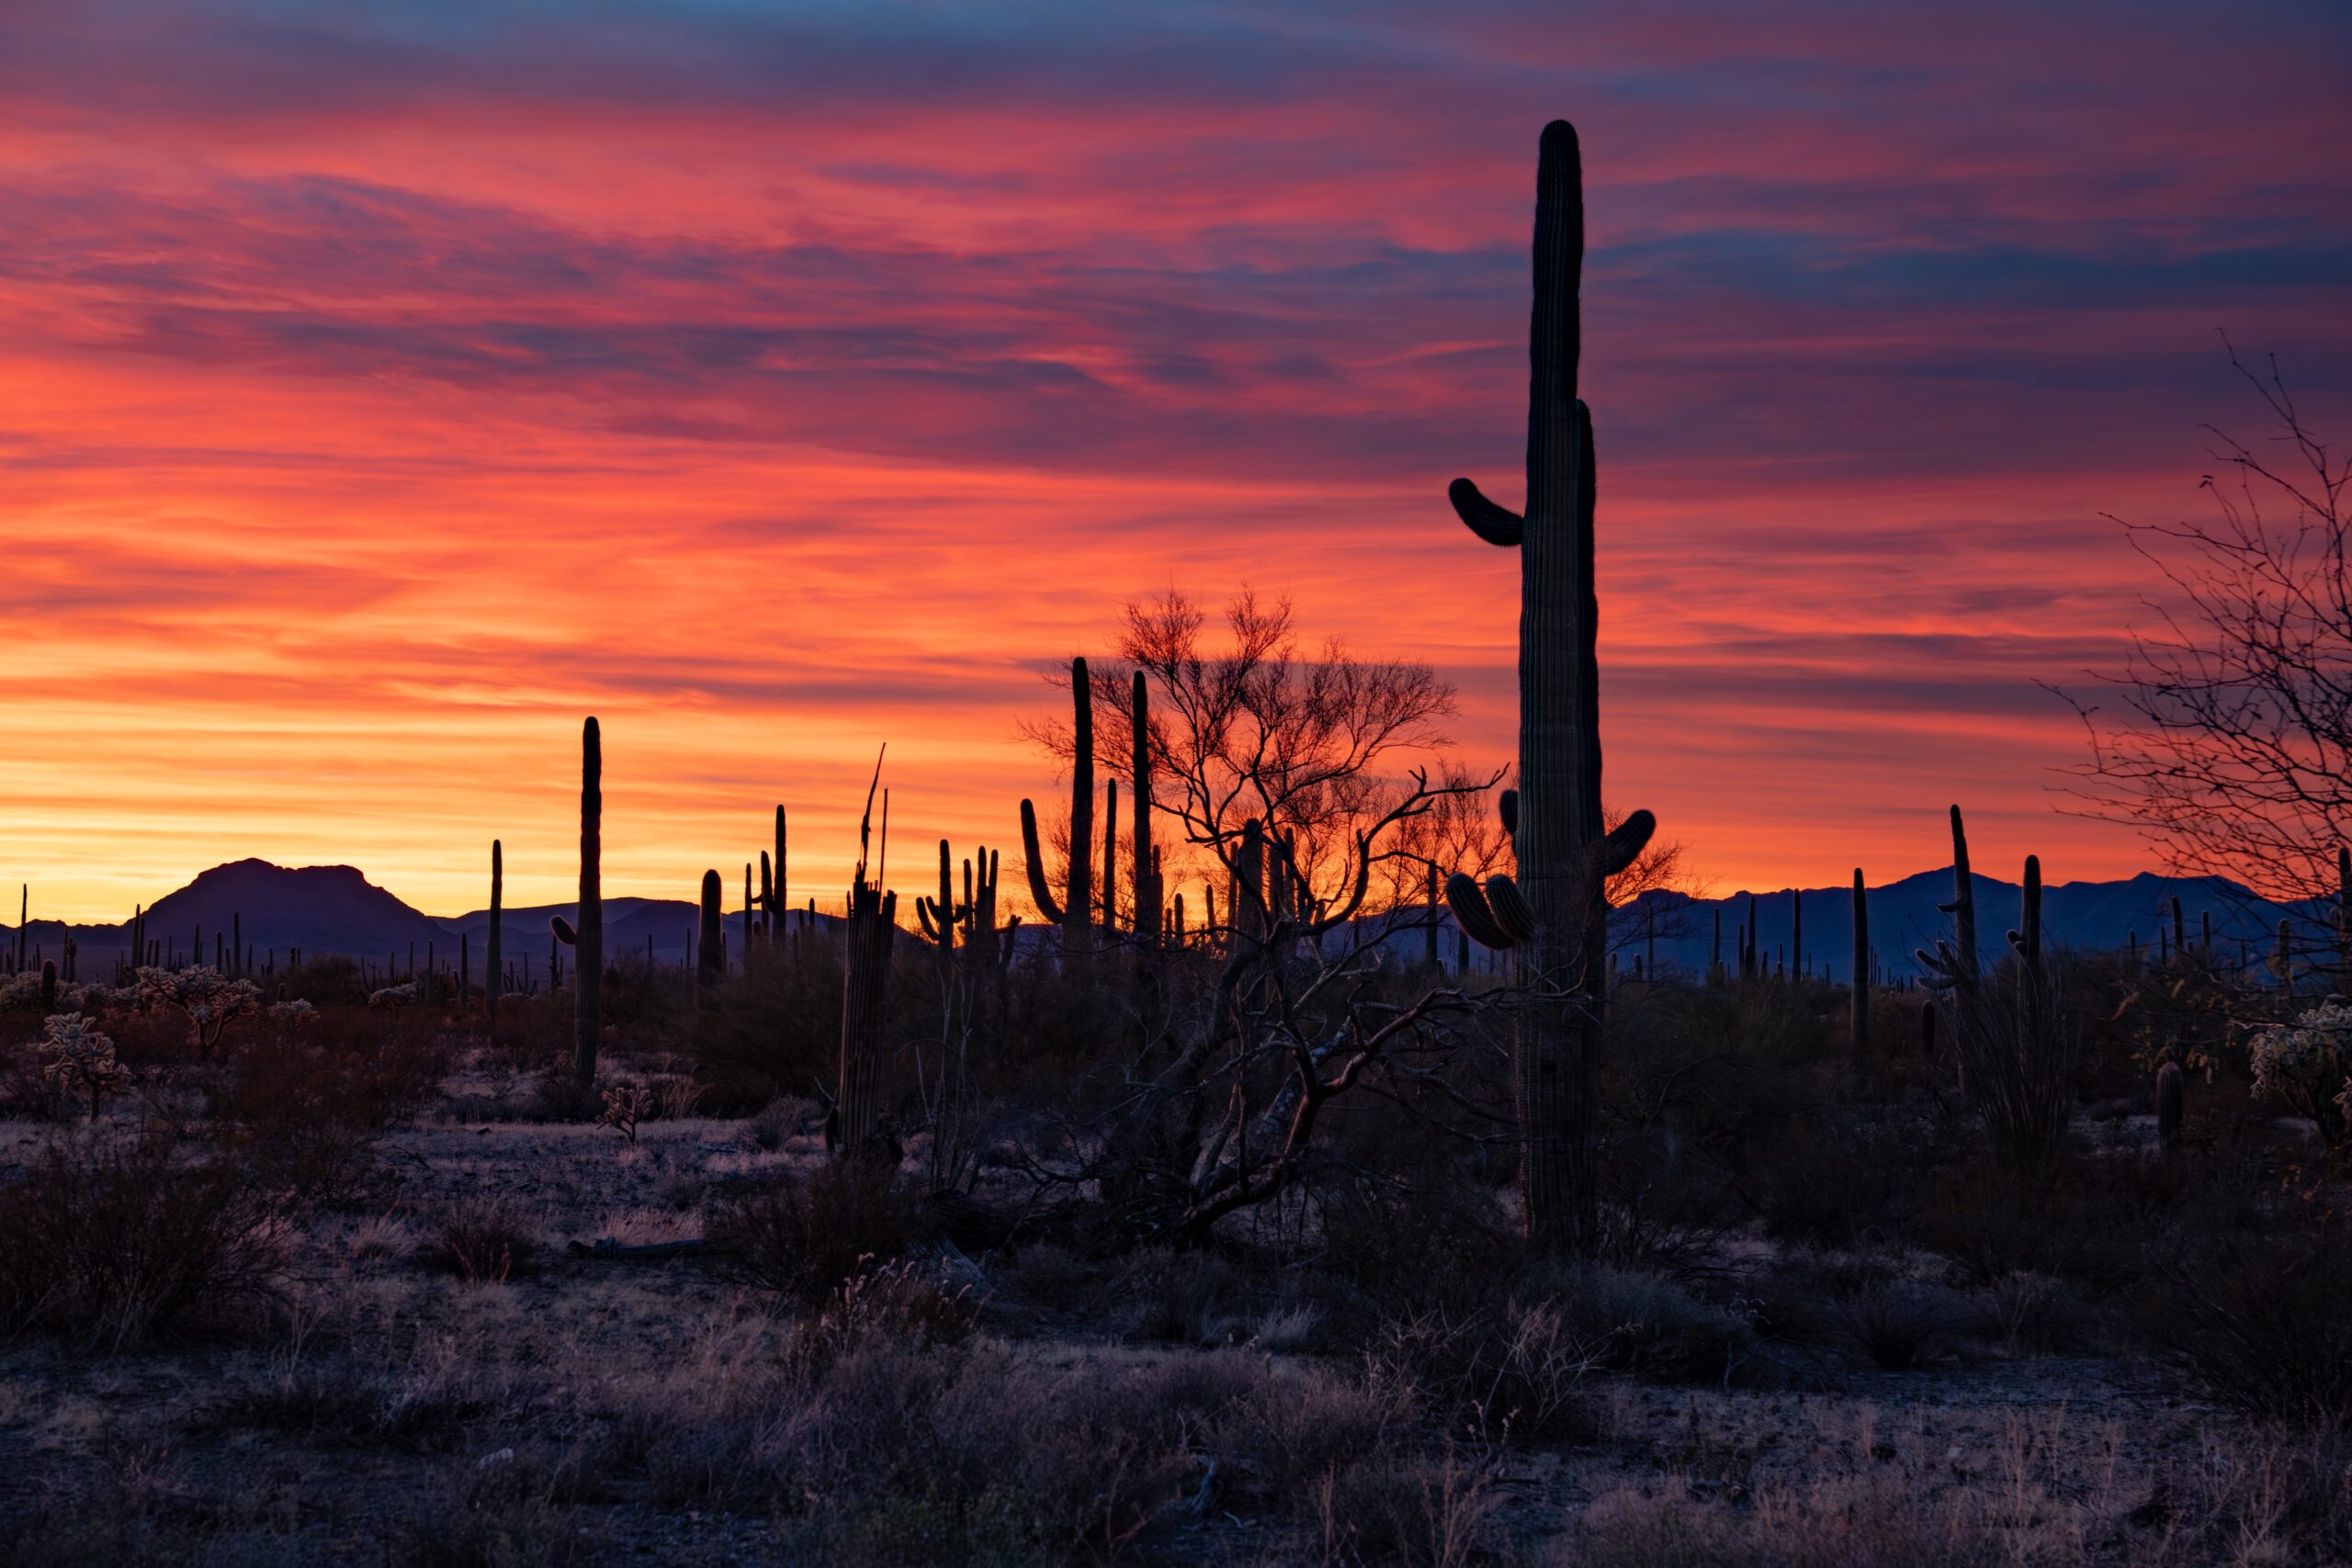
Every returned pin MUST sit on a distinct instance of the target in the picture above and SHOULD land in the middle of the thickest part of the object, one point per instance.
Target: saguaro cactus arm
(1625, 843)
(1034, 856)
(1495, 525)
(1468, 902)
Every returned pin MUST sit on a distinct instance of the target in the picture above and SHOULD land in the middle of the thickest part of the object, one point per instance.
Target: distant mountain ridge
(335, 910)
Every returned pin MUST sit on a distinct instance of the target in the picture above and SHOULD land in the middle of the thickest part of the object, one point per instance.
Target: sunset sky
(384, 388)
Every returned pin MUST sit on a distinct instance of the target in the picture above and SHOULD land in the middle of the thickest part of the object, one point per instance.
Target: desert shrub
(1513, 1369)
(1288, 1432)
(902, 1299)
(2263, 1323)
(773, 1029)
(2089, 1220)
(776, 1123)
(309, 1113)
(1647, 1324)
(1183, 1298)
(805, 1234)
(485, 1241)
(1426, 1510)
(111, 1241)
(1895, 1323)
(1836, 1179)
(1405, 1248)
(2035, 1312)
(330, 980)
(560, 1096)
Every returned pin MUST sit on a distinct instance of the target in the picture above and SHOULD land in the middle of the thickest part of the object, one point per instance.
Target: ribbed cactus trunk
(710, 941)
(1248, 895)
(493, 977)
(857, 1102)
(1146, 862)
(588, 979)
(2344, 921)
(1962, 907)
(783, 892)
(1078, 905)
(1861, 987)
(1428, 942)
(1111, 857)
(1564, 854)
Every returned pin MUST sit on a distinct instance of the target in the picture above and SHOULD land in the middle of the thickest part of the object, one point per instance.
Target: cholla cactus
(393, 997)
(80, 1057)
(625, 1105)
(2308, 1064)
(292, 1014)
(209, 1001)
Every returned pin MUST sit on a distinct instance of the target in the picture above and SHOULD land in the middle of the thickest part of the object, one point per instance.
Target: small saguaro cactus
(2283, 965)
(1557, 911)
(710, 940)
(942, 915)
(1075, 913)
(2180, 931)
(2170, 1091)
(775, 898)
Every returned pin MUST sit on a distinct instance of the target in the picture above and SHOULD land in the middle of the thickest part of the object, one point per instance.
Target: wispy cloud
(388, 386)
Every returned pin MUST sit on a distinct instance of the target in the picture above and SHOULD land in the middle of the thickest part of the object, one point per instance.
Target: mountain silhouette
(335, 910)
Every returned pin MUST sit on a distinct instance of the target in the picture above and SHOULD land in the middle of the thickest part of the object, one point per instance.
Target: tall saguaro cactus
(1953, 965)
(587, 985)
(1861, 988)
(493, 979)
(1075, 913)
(1147, 863)
(868, 934)
(1559, 928)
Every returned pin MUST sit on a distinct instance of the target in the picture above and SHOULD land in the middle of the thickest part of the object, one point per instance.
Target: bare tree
(1303, 785)
(2229, 740)
(1329, 754)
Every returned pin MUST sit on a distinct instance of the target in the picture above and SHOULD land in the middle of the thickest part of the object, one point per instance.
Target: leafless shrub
(2264, 1324)
(1511, 1370)
(1895, 1323)
(485, 1241)
(1428, 1511)
(805, 1235)
(110, 1241)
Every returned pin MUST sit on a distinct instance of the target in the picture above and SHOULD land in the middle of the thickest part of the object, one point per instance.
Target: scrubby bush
(485, 1241)
(110, 1240)
(805, 1234)
(2263, 1323)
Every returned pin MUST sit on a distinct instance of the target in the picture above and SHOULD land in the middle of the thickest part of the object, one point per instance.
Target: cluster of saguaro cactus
(947, 920)
(1554, 913)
